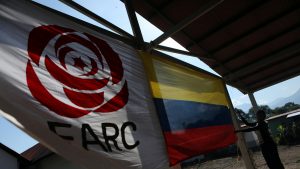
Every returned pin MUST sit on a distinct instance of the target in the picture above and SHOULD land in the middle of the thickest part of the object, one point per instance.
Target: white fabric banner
(80, 93)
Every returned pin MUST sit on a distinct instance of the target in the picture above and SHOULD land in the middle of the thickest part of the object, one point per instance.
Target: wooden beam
(134, 24)
(232, 20)
(256, 28)
(185, 22)
(126, 40)
(265, 61)
(248, 161)
(272, 80)
(275, 37)
(95, 17)
(253, 101)
(173, 50)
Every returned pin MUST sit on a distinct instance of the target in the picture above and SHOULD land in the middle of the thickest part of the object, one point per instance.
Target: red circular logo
(73, 73)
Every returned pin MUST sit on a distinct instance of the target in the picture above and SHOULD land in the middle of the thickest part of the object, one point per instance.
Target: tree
(278, 110)
(265, 108)
(241, 112)
(247, 116)
(251, 117)
(290, 106)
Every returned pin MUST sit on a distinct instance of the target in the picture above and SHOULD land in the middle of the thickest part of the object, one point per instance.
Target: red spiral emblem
(73, 73)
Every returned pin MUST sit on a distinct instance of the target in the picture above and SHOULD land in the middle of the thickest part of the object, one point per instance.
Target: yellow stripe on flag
(170, 80)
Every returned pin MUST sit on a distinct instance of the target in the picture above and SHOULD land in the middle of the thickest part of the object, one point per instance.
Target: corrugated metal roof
(284, 114)
(293, 114)
(255, 43)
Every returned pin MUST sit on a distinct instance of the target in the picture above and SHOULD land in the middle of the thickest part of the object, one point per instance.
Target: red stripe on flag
(184, 144)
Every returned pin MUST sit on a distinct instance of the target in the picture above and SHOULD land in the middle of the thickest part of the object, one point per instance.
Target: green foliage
(290, 106)
(296, 128)
(251, 114)
(241, 112)
(248, 116)
(280, 136)
(288, 133)
(266, 108)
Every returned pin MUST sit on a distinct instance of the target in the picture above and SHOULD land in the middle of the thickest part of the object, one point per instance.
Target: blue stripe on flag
(179, 115)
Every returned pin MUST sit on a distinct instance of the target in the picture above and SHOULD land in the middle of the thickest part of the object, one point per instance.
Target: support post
(134, 24)
(248, 161)
(253, 102)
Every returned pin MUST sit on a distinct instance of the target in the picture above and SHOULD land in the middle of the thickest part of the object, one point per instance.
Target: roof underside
(254, 44)
(36, 152)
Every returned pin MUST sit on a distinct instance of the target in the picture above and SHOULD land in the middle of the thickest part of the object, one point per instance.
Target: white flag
(82, 94)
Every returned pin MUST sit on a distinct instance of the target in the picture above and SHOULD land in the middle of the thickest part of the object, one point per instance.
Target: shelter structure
(11, 159)
(35, 157)
(250, 44)
(42, 158)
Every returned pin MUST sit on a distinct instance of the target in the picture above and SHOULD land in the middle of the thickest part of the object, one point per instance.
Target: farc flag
(82, 94)
(192, 107)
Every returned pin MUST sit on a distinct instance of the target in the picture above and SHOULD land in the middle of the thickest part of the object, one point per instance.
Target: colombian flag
(192, 107)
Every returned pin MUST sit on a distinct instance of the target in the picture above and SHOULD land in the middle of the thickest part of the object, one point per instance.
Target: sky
(115, 12)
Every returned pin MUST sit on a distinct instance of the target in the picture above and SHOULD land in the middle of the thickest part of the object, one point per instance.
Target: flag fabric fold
(82, 94)
(192, 107)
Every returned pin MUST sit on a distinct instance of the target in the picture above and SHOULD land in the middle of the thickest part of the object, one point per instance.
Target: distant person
(267, 145)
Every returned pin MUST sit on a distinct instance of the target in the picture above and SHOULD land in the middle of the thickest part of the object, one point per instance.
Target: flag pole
(248, 161)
